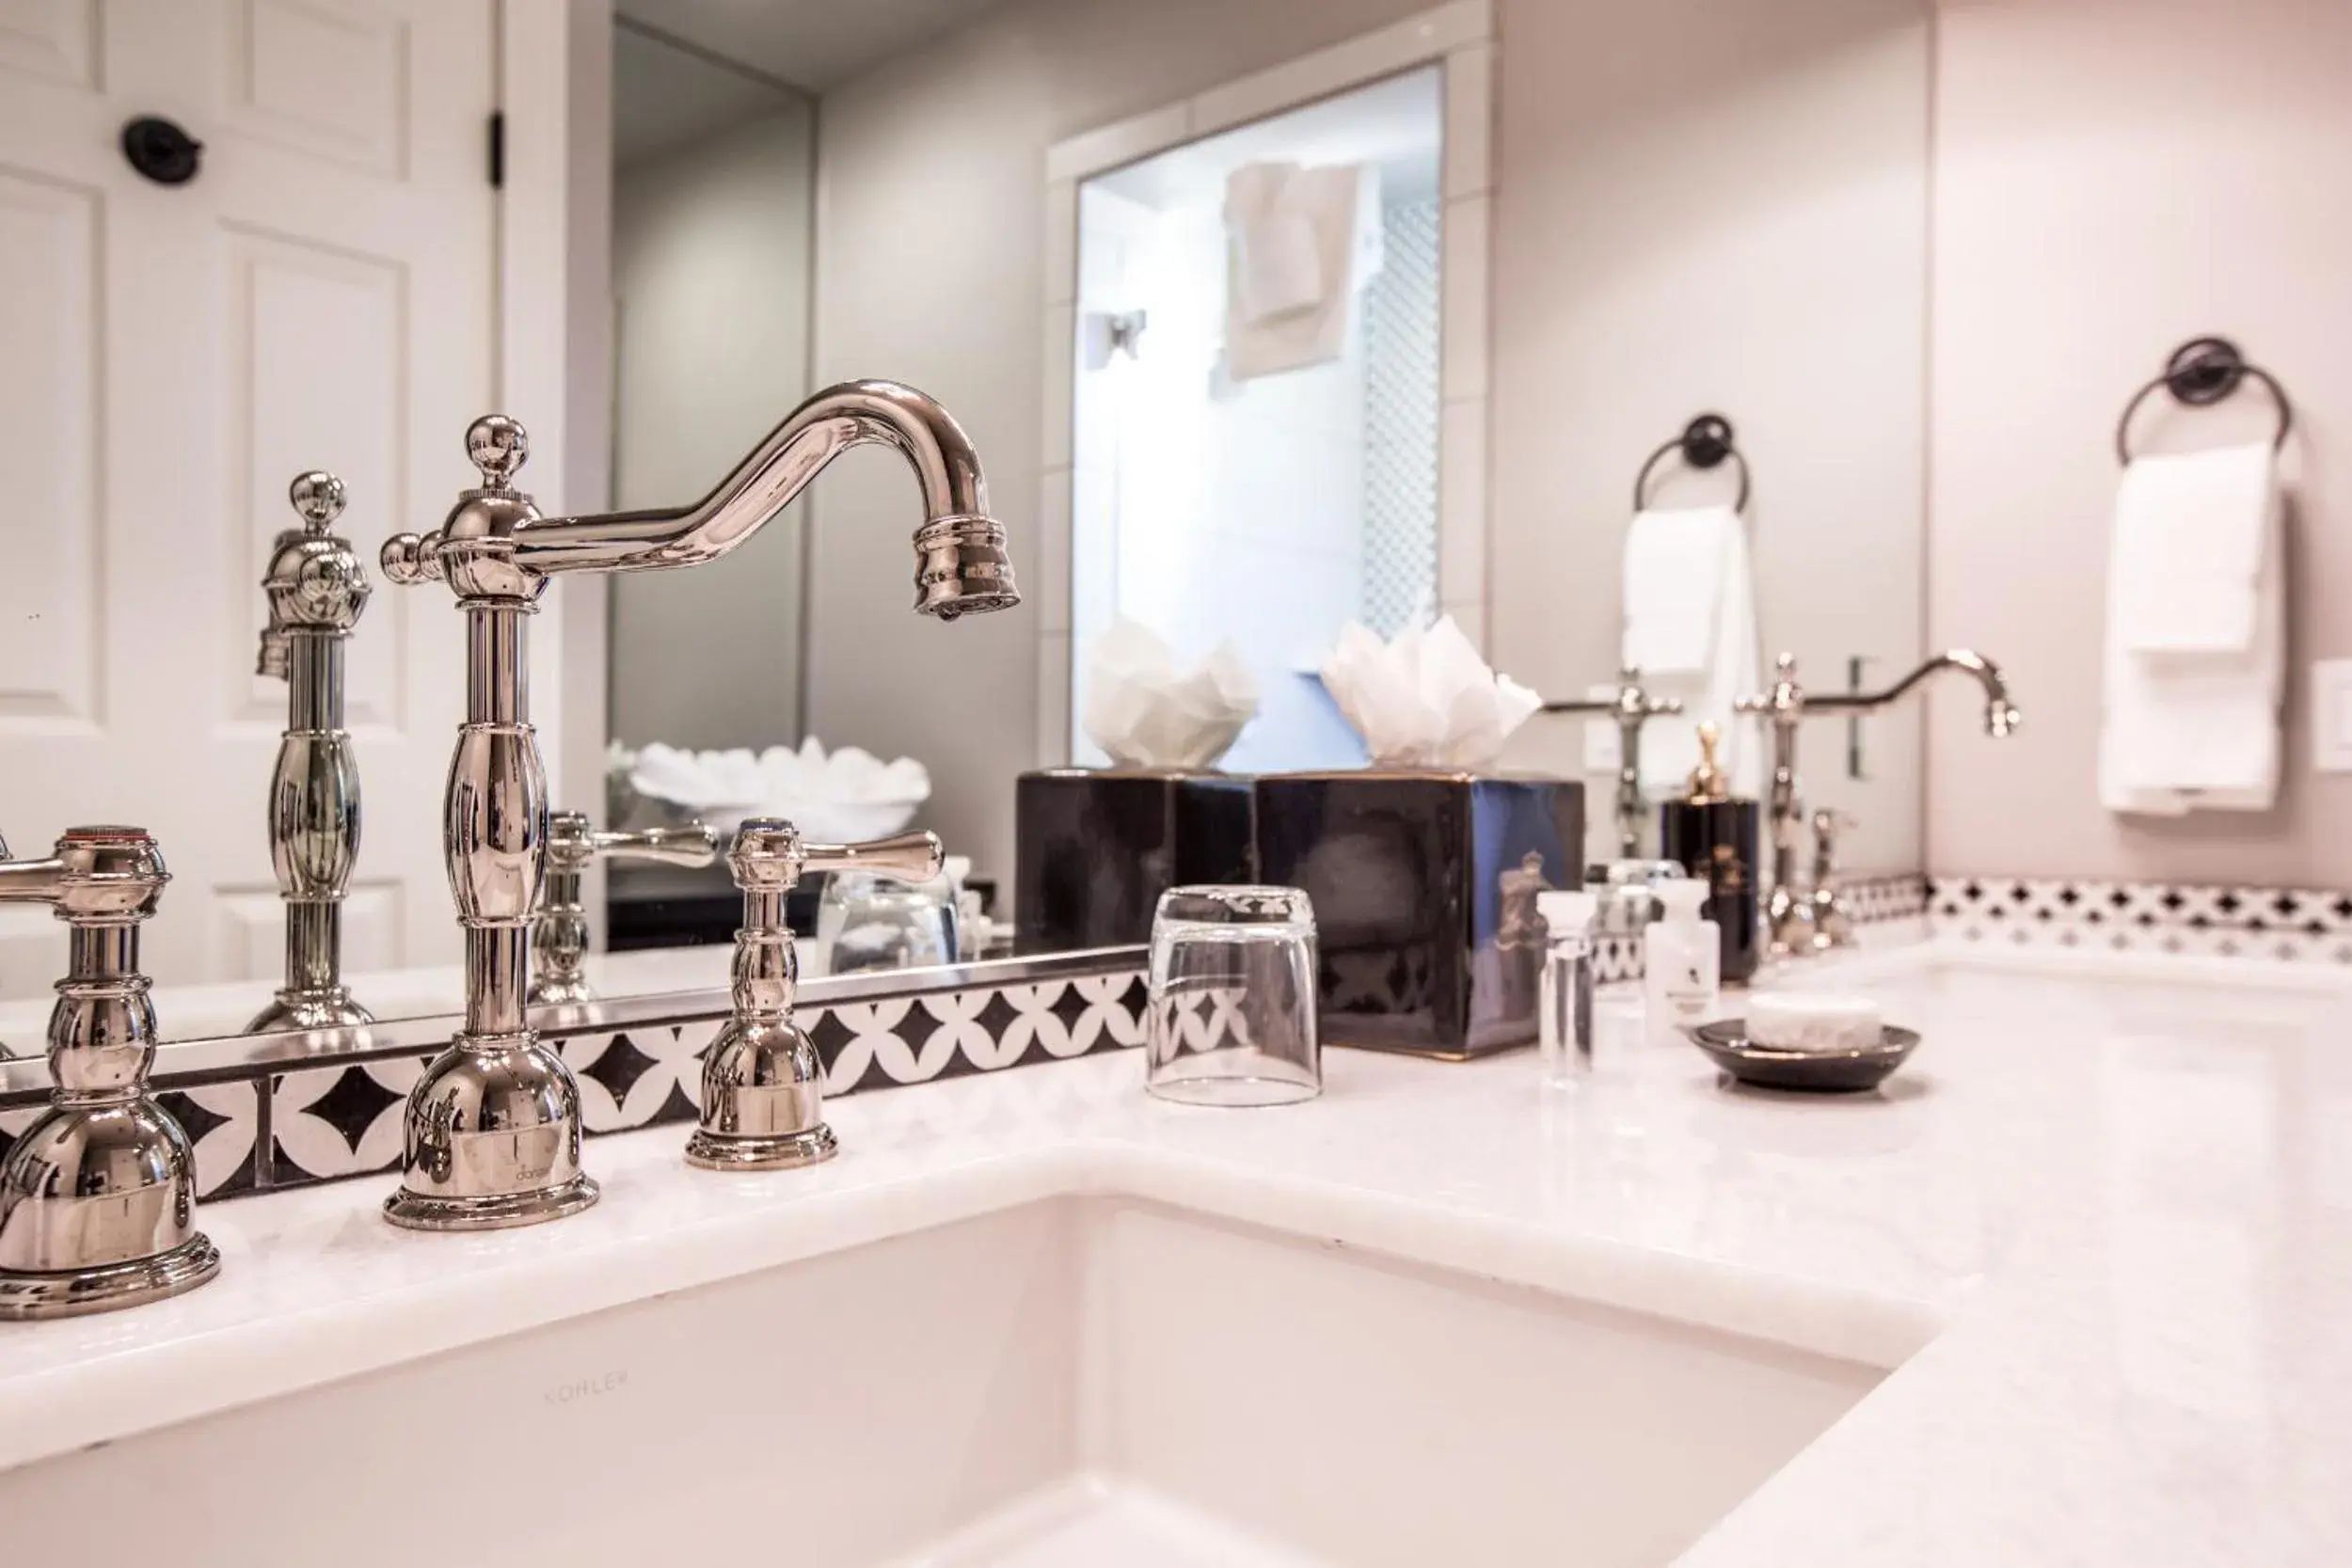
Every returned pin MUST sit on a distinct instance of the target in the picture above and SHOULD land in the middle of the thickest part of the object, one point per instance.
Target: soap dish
(1809, 1072)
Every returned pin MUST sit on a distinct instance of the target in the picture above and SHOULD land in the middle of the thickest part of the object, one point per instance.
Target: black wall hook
(2202, 372)
(161, 150)
(1704, 443)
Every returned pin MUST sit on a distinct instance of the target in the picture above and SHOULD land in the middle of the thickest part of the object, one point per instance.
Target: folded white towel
(2189, 544)
(2190, 722)
(1690, 630)
(1282, 223)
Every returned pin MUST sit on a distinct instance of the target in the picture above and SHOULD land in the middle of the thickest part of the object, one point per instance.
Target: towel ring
(1704, 443)
(2202, 372)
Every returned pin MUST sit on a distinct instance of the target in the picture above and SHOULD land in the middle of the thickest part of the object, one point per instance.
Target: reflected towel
(1301, 244)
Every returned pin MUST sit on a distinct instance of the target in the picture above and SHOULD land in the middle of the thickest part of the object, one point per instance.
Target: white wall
(2114, 176)
(711, 253)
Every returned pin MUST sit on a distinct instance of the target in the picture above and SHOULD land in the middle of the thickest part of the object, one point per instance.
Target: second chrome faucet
(492, 1132)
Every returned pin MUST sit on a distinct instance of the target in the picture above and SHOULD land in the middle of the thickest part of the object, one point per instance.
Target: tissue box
(1095, 849)
(1423, 885)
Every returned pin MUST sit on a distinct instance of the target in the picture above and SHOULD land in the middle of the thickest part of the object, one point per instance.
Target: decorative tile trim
(1871, 899)
(328, 1123)
(2311, 925)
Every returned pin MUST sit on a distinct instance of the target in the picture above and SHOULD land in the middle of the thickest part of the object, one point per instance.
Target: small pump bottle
(1682, 959)
(1564, 1040)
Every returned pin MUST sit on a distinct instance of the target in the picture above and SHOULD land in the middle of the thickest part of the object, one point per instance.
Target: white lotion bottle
(1683, 960)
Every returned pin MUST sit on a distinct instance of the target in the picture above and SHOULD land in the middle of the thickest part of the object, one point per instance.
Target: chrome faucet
(1790, 910)
(98, 1196)
(763, 1085)
(559, 936)
(493, 1127)
(317, 587)
(1632, 707)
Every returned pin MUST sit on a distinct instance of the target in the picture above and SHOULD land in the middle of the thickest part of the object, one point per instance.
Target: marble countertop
(2101, 1227)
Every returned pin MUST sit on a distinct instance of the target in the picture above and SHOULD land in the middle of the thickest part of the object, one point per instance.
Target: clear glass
(867, 923)
(1564, 1036)
(1231, 1018)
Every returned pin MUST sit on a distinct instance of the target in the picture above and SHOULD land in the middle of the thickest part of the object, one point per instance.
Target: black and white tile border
(2311, 925)
(326, 1123)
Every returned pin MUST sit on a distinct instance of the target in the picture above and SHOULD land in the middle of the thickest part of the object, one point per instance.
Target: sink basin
(1077, 1381)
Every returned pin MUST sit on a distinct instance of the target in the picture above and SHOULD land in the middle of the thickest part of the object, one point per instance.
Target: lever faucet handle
(911, 857)
(763, 1080)
(98, 1196)
(692, 846)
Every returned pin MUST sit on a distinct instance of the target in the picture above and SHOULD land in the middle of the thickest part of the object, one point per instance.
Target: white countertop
(2116, 1213)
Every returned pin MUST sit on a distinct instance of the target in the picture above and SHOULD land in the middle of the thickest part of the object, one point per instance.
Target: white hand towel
(1674, 567)
(1690, 605)
(1278, 268)
(2195, 731)
(2188, 546)
(1274, 319)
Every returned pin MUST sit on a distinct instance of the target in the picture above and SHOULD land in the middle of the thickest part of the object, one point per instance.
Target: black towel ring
(1704, 443)
(2202, 372)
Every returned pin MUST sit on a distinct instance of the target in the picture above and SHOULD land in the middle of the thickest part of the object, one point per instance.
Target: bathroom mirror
(1591, 224)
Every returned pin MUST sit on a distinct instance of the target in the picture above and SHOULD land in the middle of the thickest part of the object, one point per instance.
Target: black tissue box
(1095, 849)
(1423, 885)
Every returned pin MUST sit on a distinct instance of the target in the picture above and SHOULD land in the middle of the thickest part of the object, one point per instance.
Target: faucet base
(709, 1151)
(493, 1131)
(505, 1212)
(73, 1293)
(551, 991)
(310, 1009)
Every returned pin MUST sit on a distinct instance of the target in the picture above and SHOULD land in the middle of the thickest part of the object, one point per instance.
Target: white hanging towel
(1302, 242)
(1690, 630)
(2195, 656)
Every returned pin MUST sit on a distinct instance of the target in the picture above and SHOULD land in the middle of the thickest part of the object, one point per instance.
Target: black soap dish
(1804, 1071)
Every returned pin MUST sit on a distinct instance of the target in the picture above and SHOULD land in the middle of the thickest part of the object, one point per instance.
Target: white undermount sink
(1083, 1380)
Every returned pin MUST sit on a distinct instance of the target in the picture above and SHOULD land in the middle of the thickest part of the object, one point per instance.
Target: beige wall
(1710, 207)
(930, 209)
(2113, 177)
(710, 263)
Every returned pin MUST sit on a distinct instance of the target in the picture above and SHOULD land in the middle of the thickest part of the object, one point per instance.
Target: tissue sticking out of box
(1426, 700)
(839, 798)
(1145, 712)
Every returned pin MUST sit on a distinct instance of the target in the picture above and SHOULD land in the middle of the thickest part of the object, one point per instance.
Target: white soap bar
(1797, 1022)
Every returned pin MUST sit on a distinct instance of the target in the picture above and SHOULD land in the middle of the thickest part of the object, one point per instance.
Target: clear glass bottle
(1563, 1039)
(1682, 959)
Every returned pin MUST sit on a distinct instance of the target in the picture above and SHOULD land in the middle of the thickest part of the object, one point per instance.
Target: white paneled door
(321, 295)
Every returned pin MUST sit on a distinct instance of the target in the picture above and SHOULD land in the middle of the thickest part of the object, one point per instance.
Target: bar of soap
(1797, 1022)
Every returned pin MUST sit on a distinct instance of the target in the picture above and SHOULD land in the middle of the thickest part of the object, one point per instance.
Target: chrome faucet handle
(559, 934)
(1833, 926)
(317, 587)
(1783, 700)
(98, 1196)
(763, 1083)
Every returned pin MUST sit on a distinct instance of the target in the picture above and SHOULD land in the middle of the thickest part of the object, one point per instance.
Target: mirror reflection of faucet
(317, 586)
(1794, 913)
(559, 936)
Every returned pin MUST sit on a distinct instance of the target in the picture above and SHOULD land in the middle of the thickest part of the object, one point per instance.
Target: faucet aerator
(961, 568)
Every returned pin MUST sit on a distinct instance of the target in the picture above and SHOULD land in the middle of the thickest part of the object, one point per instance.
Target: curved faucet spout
(963, 566)
(2001, 717)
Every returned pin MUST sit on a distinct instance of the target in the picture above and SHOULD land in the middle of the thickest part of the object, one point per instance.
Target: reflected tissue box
(1424, 884)
(1095, 848)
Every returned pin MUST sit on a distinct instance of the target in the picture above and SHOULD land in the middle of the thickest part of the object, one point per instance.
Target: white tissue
(1426, 700)
(836, 798)
(1145, 712)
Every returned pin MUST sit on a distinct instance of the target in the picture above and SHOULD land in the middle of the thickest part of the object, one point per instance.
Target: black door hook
(161, 150)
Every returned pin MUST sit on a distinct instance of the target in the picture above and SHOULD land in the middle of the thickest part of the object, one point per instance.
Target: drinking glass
(1231, 1018)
